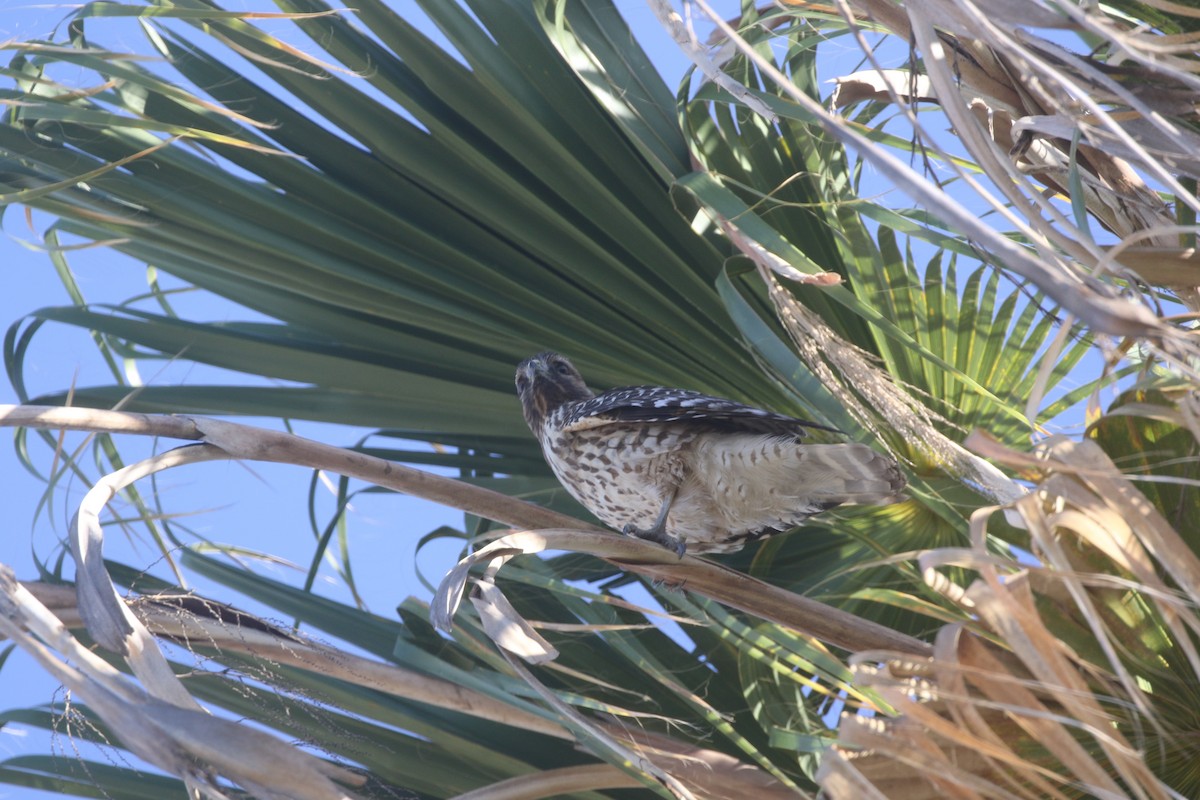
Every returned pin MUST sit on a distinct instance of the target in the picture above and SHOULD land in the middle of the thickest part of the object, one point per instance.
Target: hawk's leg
(657, 532)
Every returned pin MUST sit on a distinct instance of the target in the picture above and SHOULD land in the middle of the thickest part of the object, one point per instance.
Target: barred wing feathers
(654, 404)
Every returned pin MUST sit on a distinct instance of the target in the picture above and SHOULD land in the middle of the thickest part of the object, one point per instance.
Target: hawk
(687, 470)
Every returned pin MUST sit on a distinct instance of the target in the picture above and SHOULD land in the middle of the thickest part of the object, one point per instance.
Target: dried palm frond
(1076, 673)
(1057, 136)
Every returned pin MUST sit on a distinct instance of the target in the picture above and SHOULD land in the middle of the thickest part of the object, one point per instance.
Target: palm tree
(412, 219)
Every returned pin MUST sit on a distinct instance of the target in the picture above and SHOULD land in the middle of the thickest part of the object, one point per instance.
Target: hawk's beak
(539, 369)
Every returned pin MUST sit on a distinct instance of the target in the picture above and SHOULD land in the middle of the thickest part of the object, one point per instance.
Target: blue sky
(259, 506)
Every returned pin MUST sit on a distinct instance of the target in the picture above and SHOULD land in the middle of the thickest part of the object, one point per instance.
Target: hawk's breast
(619, 472)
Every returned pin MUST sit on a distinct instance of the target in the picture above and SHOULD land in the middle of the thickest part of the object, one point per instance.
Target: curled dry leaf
(884, 86)
(107, 618)
(683, 35)
(508, 629)
(1179, 150)
(450, 592)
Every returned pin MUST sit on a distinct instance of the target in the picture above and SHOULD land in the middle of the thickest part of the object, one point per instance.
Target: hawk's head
(544, 383)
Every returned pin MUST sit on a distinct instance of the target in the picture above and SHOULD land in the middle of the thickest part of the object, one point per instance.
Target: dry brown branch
(258, 444)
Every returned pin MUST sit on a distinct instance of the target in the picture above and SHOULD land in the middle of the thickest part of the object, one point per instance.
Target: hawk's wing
(654, 404)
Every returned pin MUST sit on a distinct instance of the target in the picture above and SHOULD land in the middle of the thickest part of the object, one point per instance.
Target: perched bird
(687, 470)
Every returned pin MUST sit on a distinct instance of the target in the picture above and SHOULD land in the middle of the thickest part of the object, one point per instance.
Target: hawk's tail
(849, 473)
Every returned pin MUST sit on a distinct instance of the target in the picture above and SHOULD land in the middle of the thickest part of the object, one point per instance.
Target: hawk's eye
(562, 368)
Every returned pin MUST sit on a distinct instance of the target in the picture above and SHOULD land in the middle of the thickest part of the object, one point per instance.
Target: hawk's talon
(659, 536)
